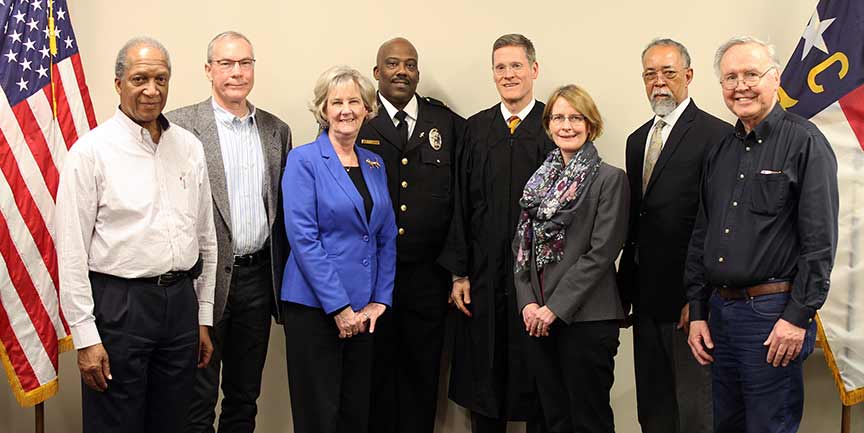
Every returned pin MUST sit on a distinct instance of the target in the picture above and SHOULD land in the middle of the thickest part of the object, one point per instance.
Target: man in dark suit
(246, 149)
(419, 139)
(664, 165)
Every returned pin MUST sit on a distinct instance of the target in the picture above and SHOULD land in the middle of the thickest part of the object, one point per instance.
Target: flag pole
(40, 417)
(52, 45)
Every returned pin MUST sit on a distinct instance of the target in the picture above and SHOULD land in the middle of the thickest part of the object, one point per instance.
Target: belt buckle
(166, 279)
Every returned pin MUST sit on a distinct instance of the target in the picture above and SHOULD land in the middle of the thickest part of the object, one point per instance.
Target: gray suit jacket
(581, 287)
(275, 142)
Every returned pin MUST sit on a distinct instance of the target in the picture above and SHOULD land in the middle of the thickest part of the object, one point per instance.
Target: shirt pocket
(769, 193)
(436, 164)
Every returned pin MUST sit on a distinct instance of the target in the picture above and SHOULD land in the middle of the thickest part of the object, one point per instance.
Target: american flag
(44, 107)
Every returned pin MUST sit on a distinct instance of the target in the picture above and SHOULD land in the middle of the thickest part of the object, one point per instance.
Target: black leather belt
(255, 258)
(167, 279)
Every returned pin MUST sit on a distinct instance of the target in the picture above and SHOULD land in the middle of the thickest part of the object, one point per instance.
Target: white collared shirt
(243, 161)
(521, 115)
(132, 208)
(670, 120)
(410, 109)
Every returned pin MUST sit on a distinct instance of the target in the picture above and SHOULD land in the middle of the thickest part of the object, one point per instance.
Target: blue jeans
(750, 395)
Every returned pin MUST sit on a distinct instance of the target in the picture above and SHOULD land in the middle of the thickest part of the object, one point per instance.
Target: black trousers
(575, 368)
(408, 341)
(151, 336)
(328, 377)
(483, 424)
(240, 347)
(673, 392)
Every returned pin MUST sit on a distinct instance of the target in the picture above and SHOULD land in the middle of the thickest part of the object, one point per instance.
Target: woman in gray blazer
(572, 227)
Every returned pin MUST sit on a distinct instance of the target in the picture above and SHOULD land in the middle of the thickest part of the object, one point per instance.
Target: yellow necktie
(654, 148)
(513, 122)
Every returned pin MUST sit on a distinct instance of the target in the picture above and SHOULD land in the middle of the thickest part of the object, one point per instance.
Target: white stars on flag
(813, 34)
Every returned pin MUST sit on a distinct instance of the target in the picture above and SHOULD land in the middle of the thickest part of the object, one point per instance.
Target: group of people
(179, 235)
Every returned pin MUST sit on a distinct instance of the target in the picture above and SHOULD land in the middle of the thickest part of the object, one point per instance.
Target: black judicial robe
(488, 373)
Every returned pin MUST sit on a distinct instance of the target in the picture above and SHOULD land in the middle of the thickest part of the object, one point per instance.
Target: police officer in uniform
(419, 139)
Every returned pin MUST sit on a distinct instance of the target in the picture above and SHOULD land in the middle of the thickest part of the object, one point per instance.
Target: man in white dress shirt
(134, 228)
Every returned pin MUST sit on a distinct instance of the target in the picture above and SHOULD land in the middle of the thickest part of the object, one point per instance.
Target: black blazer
(651, 270)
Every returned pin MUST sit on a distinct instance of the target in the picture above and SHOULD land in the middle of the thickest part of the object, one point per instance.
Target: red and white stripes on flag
(33, 145)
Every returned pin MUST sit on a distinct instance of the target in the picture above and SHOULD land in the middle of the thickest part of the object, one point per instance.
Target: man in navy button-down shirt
(761, 253)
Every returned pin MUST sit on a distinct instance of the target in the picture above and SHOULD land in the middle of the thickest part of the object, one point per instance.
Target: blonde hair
(582, 102)
(333, 77)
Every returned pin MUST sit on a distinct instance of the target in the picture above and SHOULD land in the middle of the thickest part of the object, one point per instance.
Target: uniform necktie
(513, 122)
(402, 128)
(654, 148)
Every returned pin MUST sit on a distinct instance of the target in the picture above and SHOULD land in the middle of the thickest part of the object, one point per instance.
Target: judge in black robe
(489, 375)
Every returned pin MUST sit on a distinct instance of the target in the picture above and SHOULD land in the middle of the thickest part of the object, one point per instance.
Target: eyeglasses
(228, 64)
(501, 69)
(558, 119)
(668, 74)
(750, 79)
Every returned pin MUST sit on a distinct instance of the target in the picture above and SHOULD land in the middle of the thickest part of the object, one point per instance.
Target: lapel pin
(373, 164)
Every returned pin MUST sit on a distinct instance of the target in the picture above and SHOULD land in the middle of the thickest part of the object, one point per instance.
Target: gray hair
(666, 42)
(515, 40)
(122, 61)
(743, 40)
(230, 34)
(333, 77)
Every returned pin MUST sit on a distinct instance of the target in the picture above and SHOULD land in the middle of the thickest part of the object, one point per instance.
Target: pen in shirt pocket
(183, 180)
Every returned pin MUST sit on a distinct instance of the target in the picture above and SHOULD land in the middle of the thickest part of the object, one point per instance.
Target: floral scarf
(548, 201)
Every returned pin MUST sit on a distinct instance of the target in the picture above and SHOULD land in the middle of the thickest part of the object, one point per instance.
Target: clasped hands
(537, 319)
(351, 323)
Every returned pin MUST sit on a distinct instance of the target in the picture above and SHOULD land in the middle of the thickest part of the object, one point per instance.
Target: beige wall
(595, 44)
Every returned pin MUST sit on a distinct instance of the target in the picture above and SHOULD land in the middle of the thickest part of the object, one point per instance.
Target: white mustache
(660, 93)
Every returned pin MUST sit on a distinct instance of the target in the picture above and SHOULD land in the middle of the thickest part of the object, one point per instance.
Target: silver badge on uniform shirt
(435, 139)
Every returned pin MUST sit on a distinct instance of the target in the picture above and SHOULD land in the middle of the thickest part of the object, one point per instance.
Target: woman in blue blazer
(339, 276)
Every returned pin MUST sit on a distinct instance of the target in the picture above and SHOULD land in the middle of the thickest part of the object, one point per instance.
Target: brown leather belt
(731, 293)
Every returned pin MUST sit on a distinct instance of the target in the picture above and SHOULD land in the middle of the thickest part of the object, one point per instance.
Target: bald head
(397, 71)
(399, 43)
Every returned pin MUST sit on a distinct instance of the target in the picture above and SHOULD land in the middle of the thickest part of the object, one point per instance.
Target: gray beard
(663, 107)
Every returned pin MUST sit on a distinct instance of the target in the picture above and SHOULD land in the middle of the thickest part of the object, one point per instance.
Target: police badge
(435, 139)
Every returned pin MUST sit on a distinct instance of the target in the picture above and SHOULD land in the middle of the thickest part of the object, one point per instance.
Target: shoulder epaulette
(434, 101)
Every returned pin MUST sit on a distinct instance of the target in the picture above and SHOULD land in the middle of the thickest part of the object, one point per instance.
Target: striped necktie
(513, 122)
(654, 148)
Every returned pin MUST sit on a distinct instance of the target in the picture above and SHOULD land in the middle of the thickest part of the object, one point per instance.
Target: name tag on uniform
(370, 142)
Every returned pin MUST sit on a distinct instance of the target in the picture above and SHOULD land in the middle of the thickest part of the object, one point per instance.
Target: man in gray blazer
(246, 150)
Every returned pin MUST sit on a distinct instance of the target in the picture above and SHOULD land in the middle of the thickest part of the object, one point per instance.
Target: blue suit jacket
(338, 258)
